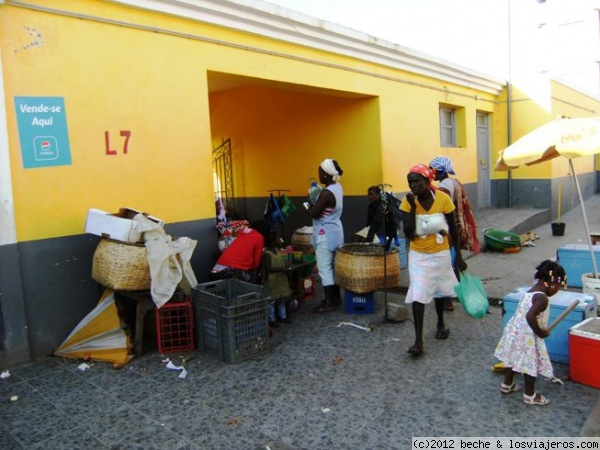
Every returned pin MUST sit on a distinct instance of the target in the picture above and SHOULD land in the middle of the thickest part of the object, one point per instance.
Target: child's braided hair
(550, 272)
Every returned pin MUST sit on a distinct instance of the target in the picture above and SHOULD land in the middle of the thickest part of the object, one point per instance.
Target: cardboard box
(558, 341)
(584, 343)
(118, 226)
(576, 259)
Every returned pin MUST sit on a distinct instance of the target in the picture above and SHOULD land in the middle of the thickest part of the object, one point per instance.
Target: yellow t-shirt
(428, 244)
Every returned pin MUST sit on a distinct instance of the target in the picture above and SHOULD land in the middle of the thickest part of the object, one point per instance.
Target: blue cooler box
(576, 259)
(558, 341)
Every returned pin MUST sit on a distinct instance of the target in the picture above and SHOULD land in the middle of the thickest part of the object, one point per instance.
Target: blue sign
(42, 123)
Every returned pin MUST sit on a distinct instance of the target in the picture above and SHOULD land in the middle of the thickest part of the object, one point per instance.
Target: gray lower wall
(543, 194)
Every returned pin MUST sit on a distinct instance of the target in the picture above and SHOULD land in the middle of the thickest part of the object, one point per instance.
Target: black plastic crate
(232, 319)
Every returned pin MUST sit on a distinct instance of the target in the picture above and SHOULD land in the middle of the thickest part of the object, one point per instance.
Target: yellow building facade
(111, 104)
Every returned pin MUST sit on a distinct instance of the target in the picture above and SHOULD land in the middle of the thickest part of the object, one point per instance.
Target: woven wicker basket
(121, 266)
(359, 267)
(301, 241)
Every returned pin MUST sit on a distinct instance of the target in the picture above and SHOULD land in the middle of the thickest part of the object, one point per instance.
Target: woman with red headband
(429, 223)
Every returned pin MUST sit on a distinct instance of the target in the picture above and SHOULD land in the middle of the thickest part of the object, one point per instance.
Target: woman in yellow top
(428, 222)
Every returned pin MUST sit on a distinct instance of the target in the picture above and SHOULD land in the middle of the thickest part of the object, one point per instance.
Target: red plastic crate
(175, 327)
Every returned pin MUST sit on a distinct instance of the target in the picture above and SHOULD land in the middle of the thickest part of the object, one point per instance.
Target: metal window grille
(223, 175)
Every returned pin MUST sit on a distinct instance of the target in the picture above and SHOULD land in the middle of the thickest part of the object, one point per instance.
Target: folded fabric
(431, 224)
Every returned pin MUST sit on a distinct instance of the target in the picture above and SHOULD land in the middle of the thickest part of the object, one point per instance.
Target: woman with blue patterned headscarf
(442, 169)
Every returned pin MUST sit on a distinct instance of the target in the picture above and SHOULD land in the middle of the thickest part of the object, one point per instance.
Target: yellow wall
(111, 78)
(115, 78)
(296, 107)
(529, 114)
(280, 137)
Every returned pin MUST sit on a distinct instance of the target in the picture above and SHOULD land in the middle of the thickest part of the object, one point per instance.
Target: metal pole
(585, 221)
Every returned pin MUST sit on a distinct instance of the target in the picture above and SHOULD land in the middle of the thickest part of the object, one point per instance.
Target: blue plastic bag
(472, 295)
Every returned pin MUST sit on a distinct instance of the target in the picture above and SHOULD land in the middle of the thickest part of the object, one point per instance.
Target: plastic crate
(359, 303)
(175, 327)
(232, 319)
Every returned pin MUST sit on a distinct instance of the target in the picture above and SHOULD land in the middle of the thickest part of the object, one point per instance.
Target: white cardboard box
(118, 226)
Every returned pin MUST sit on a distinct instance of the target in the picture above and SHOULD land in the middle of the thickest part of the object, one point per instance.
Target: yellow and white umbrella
(569, 138)
(99, 336)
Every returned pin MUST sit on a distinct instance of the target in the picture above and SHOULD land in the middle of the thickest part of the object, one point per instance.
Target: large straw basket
(361, 267)
(301, 240)
(121, 266)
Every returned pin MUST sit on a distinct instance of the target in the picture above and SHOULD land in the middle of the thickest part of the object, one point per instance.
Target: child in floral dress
(522, 348)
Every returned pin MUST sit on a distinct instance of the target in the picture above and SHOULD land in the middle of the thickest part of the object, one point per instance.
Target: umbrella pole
(585, 221)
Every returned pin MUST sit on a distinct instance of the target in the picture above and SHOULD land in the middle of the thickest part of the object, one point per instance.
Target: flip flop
(442, 334)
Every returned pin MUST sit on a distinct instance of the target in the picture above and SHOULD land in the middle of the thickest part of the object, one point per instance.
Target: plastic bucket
(591, 285)
(558, 228)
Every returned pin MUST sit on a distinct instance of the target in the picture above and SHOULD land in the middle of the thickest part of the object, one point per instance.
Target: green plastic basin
(499, 240)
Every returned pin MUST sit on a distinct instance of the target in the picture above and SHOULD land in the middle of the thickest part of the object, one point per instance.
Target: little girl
(522, 348)
(275, 280)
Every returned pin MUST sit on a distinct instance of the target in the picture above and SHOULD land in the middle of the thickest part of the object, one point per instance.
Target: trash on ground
(5, 374)
(172, 366)
(82, 367)
(354, 325)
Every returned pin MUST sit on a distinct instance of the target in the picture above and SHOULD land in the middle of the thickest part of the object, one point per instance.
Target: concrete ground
(325, 383)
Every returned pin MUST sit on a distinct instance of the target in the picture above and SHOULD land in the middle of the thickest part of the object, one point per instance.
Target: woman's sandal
(509, 389)
(415, 351)
(535, 399)
(442, 334)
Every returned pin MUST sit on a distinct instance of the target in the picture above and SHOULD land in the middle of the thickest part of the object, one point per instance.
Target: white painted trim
(8, 233)
(273, 21)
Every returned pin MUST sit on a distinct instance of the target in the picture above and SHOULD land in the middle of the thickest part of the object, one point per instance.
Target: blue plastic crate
(359, 303)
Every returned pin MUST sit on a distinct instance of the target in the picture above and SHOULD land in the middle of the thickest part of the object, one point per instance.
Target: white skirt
(431, 275)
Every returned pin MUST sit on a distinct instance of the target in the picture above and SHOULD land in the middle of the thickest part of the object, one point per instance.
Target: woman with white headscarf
(328, 233)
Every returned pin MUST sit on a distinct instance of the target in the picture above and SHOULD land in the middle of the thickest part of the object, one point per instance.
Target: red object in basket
(175, 327)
